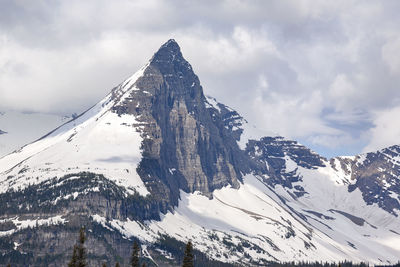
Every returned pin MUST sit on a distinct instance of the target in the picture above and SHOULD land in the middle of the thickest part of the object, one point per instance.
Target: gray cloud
(323, 72)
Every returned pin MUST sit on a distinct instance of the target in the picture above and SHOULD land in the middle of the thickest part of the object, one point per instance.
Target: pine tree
(188, 259)
(144, 264)
(135, 255)
(81, 249)
(78, 258)
(74, 258)
(117, 264)
(104, 265)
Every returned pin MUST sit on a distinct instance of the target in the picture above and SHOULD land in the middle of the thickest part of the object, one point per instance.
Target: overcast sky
(325, 73)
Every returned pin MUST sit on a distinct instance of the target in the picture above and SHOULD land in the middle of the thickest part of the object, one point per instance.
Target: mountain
(157, 160)
(19, 128)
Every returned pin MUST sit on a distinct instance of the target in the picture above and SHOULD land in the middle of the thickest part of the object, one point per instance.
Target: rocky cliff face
(158, 161)
(278, 160)
(185, 145)
(376, 175)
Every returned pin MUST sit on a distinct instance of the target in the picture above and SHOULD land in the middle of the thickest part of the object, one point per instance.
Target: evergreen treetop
(188, 260)
(74, 258)
(135, 255)
(82, 249)
(78, 258)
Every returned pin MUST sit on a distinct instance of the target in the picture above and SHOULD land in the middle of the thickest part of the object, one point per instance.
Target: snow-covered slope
(98, 141)
(18, 129)
(255, 215)
(157, 158)
(365, 232)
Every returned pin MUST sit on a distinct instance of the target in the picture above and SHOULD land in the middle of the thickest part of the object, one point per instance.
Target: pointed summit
(171, 43)
(168, 51)
(168, 69)
(169, 61)
(179, 131)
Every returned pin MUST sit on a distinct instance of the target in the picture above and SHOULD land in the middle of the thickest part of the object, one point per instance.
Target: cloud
(316, 71)
(386, 130)
(342, 91)
(391, 57)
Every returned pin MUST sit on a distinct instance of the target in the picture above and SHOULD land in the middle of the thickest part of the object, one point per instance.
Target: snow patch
(212, 103)
(24, 224)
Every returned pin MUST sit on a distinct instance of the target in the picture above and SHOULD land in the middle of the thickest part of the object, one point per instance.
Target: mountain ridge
(158, 158)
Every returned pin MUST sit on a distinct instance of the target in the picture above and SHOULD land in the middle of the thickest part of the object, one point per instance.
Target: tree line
(78, 258)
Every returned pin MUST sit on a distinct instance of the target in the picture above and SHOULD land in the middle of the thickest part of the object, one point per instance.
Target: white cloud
(239, 50)
(331, 141)
(386, 130)
(301, 115)
(317, 71)
(390, 55)
(342, 92)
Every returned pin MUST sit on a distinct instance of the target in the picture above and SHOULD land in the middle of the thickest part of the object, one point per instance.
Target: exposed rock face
(185, 144)
(273, 157)
(376, 175)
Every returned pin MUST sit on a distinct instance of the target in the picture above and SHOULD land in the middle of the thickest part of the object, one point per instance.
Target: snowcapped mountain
(19, 128)
(159, 161)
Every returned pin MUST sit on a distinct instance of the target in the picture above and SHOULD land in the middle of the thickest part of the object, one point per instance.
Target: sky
(325, 73)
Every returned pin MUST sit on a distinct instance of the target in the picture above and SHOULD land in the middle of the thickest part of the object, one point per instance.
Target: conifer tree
(74, 258)
(78, 258)
(188, 260)
(135, 255)
(117, 264)
(81, 249)
(104, 265)
(144, 264)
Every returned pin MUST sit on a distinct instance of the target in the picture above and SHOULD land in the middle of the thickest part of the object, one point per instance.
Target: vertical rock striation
(186, 145)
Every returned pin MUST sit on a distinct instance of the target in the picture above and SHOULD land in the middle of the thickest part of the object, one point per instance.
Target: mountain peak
(168, 52)
(170, 42)
(126, 169)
